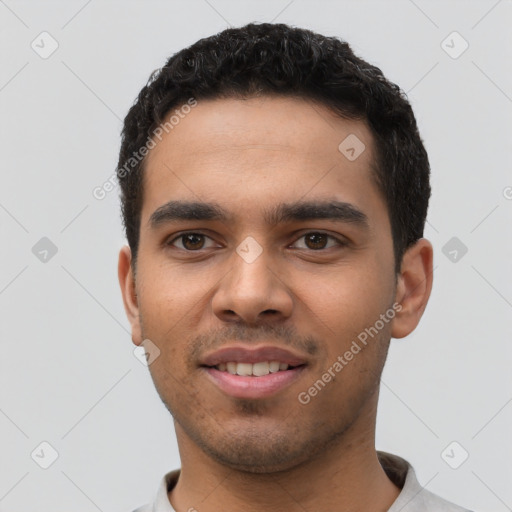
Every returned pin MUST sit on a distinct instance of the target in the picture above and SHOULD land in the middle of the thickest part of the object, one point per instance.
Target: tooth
(260, 369)
(247, 369)
(244, 369)
(274, 366)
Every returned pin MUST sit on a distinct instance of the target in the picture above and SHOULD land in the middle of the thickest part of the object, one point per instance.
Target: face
(261, 242)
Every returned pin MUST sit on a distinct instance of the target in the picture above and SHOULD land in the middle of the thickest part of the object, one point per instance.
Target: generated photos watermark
(101, 191)
(305, 397)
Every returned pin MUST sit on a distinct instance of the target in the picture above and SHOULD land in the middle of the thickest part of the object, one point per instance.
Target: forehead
(267, 122)
(254, 151)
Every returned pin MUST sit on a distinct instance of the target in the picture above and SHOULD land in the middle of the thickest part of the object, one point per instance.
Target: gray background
(68, 375)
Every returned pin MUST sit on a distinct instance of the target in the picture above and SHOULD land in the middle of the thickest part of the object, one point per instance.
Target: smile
(259, 369)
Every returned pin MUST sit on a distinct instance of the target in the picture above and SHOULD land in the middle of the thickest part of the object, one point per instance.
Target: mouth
(252, 386)
(253, 373)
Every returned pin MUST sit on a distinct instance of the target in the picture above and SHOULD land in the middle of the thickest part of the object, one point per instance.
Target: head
(280, 201)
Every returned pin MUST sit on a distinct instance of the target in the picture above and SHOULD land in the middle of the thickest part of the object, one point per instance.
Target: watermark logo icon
(44, 250)
(454, 455)
(44, 455)
(454, 249)
(454, 45)
(45, 45)
(249, 250)
(147, 352)
(351, 147)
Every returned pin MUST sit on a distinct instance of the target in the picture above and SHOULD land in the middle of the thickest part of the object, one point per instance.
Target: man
(274, 195)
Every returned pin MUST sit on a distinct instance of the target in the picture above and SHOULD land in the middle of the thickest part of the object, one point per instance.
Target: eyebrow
(174, 211)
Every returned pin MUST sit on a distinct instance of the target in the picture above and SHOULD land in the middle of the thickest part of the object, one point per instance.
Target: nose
(252, 292)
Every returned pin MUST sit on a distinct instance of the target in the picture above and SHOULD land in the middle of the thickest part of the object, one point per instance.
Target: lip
(244, 354)
(239, 386)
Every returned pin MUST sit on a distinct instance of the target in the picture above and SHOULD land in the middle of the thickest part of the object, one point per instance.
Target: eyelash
(341, 243)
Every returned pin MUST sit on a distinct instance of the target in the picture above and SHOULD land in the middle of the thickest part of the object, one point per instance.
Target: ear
(127, 284)
(414, 284)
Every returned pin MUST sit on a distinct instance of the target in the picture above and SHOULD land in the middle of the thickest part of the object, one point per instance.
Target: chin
(257, 461)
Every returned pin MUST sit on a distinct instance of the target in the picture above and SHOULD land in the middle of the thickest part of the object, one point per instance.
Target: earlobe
(413, 287)
(130, 301)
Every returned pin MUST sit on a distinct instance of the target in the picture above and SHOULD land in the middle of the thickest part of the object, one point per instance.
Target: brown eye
(193, 241)
(317, 241)
(190, 241)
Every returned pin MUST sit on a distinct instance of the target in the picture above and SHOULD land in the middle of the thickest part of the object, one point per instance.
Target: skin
(273, 453)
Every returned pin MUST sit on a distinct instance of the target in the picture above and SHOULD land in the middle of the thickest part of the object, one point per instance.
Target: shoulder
(161, 501)
(144, 508)
(425, 501)
(414, 497)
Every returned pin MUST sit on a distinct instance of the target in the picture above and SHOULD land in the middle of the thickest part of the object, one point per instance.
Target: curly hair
(276, 59)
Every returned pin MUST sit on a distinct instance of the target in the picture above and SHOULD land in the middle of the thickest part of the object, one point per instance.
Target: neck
(345, 476)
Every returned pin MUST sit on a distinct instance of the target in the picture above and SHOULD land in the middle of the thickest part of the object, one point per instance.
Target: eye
(318, 241)
(191, 241)
(313, 240)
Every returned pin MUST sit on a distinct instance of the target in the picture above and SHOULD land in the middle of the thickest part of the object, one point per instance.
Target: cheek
(343, 305)
(172, 305)
(346, 296)
(170, 297)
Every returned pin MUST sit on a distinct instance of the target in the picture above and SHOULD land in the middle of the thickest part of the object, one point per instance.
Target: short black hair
(277, 59)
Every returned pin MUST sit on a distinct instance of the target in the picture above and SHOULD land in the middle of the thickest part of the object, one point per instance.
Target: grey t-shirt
(413, 498)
